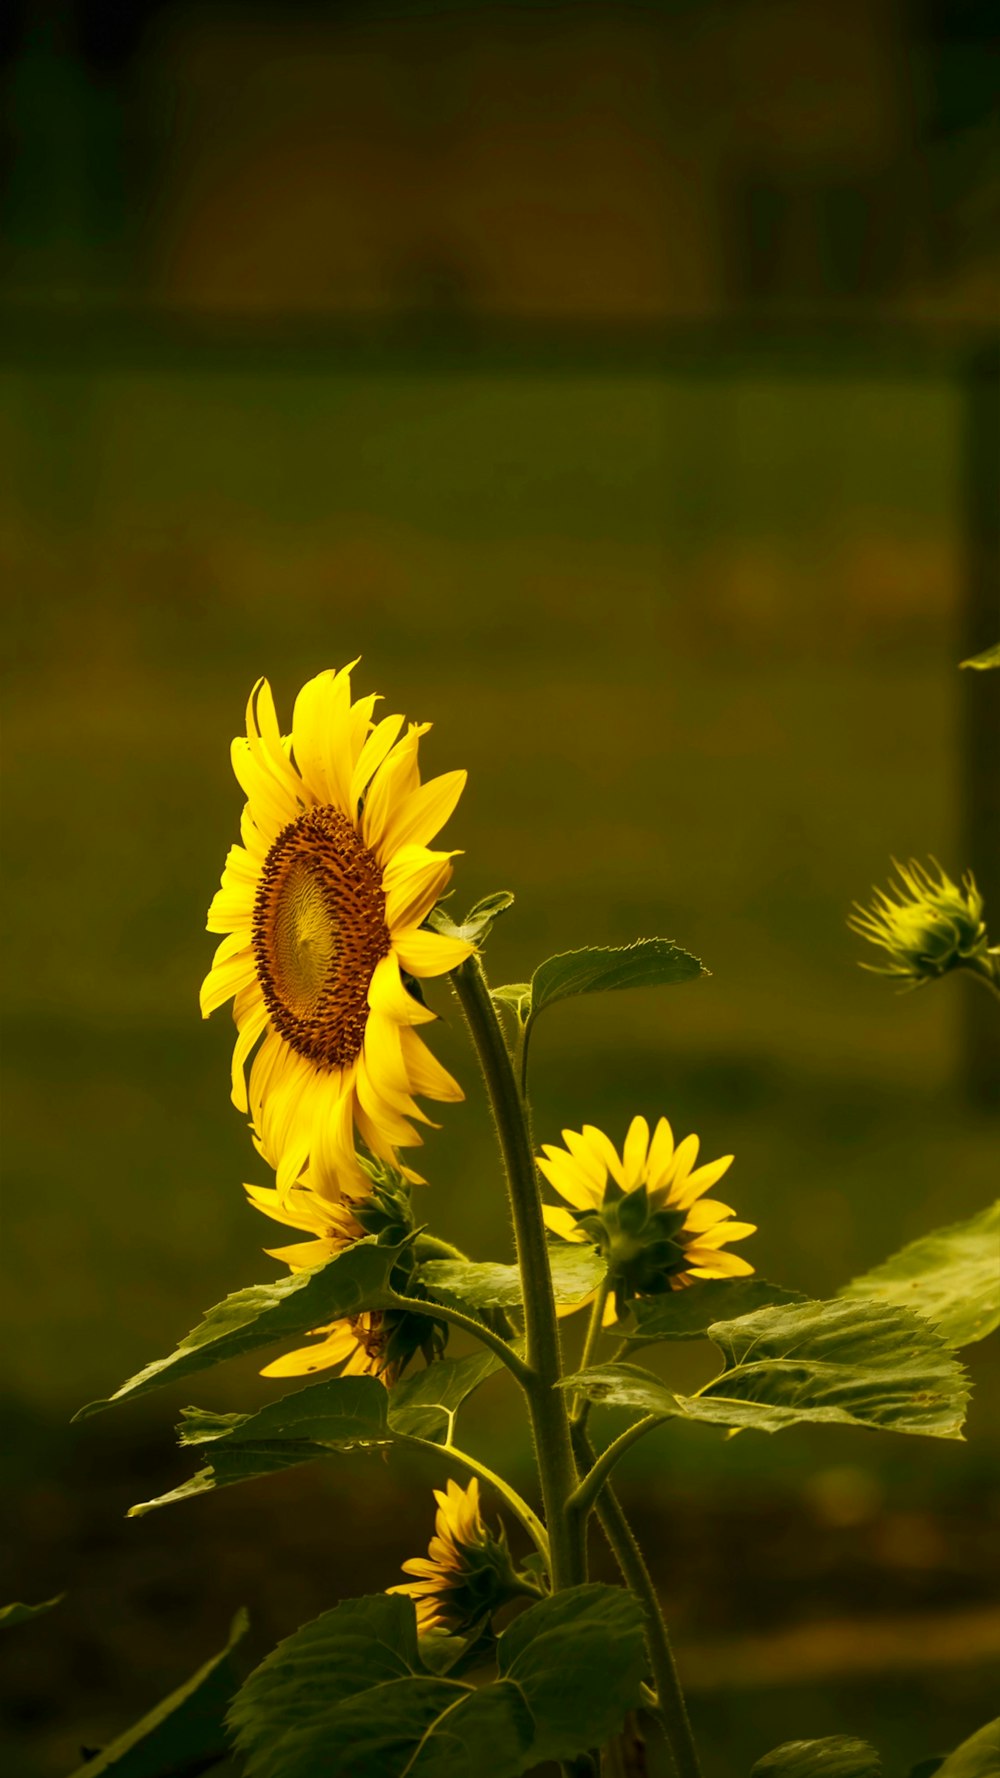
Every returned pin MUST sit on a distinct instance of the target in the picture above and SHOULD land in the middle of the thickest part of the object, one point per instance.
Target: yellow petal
(377, 745)
(684, 1192)
(394, 781)
(661, 1154)
(605, 1151)
(635, 1151)
(725, 1231)
(427, 1076)
(585, 1158)
(717, 1265)
(339, 1344)
(413, 881)
(251, 1030)
(562, 1223)
(387, 995)
(704, 1215)
(321, 738)
(265, 742)
(424, 812)
(429, 953)
(569, 1178)
(226, 979)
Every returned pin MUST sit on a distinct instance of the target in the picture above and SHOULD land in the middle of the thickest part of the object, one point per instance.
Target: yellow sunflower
(356, 1343)
(645, 1208)
(322, 906)
(465, 1572)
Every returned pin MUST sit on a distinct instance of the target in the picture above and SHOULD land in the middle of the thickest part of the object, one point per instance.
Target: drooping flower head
(467, 1573)
(322, 906)
(378, 1343)
(645, 1208)
(926, 926)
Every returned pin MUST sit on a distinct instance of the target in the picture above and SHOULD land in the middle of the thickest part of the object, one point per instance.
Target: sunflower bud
(467, 1573)
(926, 926)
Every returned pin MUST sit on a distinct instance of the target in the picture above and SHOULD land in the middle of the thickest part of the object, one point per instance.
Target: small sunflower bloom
(467, 1573)
(925, 925)
(376, 1343)
(322, 908)
(645, 1209)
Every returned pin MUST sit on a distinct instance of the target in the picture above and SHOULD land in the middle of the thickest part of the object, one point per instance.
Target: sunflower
(466, 1573)
(645, 1208)
(322, 907)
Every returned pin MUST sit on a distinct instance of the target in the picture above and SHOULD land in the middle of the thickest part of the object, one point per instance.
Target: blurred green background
(687, 607)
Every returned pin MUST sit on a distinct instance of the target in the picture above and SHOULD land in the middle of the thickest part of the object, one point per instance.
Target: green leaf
(353, 1280)
(990, 657)
(424, 1405)
(568, 1670)
(978, 1757)
(22, 1614)
(339, 1414)
(478, 921)
(951, 1276)
(184, 1734)
(688, 1314)
(649, 963)
(579, 1660)
(577, 1269)
(838, 1756)
(851, 1363)
(516, 995)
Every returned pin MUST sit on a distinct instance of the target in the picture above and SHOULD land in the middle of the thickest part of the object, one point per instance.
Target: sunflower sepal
(637, 1242)
(478, 922)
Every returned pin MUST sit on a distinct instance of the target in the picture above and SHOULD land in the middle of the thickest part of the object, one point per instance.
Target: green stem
(461, 1460)
(547, 1404)
(418, 1305)
(580, 1408)
(625, 1548)
(583, 1499)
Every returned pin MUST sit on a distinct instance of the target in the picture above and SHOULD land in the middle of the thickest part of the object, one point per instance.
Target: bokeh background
(619, 382)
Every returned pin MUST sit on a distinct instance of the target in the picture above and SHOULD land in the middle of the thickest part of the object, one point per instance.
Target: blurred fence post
(979, 744)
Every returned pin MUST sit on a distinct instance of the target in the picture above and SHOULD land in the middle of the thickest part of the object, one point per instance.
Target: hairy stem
(547, 1404)
(586, 1494)
(624, 1545)
(580, 1407)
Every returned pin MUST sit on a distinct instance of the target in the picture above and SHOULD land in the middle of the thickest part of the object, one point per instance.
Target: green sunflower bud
(926, 926)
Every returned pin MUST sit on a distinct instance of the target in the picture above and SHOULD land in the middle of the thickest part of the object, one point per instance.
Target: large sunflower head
(467, 1573)
(323, 907)
(645, 1208)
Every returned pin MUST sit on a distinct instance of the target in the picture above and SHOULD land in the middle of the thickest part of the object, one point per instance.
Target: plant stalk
(624, 1545)
(547, 1404)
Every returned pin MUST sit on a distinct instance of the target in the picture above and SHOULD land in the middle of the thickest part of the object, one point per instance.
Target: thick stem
(627, 1553)
(547, 1403)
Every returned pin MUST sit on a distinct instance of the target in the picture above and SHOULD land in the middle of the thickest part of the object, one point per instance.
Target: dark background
(619, 382)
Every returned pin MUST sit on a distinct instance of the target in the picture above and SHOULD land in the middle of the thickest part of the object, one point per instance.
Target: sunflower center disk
(319, 929)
